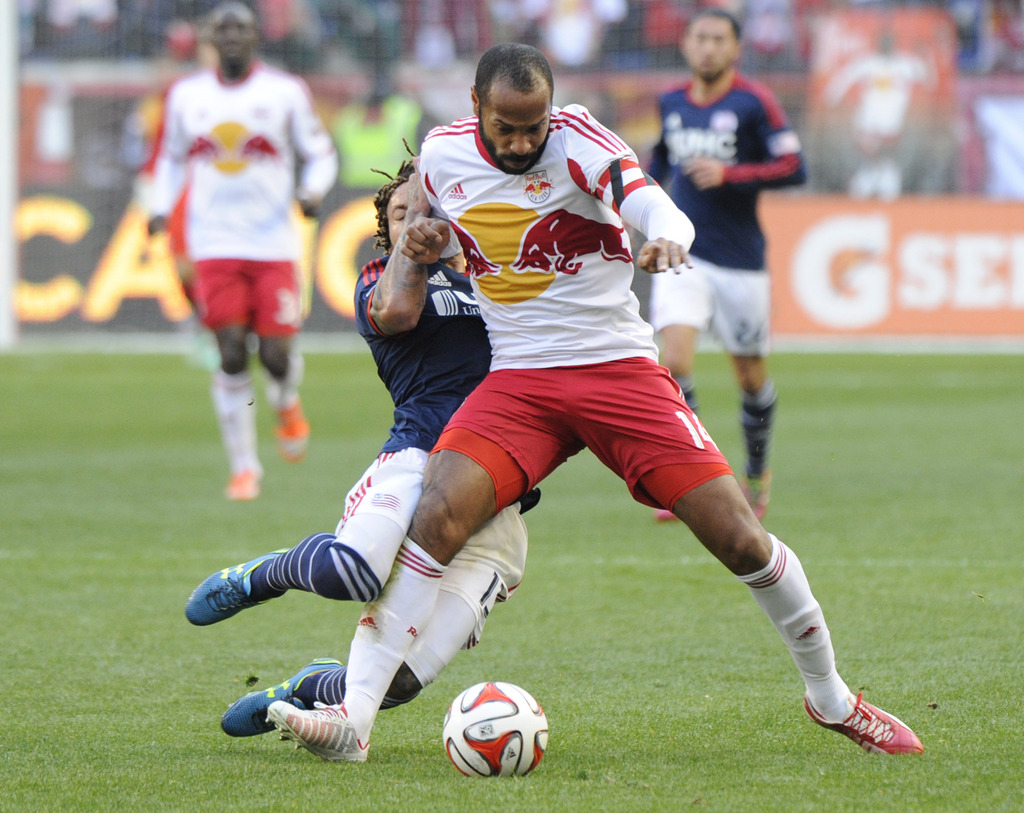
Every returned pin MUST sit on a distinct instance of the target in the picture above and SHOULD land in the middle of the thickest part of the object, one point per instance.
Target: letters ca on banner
(926, 266)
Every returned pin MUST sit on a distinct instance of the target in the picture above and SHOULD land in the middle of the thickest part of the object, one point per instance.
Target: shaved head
(233, 8)
(234, 35)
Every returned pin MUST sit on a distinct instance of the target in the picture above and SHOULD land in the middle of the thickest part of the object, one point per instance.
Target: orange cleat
(292, 433)
(243, 486)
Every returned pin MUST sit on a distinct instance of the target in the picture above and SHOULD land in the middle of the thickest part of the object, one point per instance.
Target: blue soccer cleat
(225, 593)
(247, 716)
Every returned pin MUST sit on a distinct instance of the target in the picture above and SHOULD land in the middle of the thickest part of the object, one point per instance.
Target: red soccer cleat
(758, 491)
(872, 729)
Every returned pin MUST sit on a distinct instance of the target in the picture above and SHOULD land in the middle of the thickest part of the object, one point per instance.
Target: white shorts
(390, 487)
(732, 304)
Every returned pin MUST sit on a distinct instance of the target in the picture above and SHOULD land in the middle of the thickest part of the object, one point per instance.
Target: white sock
(782, 591)
(234, 403)
(375, 537)
(452, 627)
(283, 393)
(386, 631)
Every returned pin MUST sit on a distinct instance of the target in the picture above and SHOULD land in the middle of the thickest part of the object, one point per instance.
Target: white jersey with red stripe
(549, 257)
(239, 142)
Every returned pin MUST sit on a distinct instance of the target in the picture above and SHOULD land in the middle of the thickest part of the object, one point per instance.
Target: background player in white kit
(724, 139)
(235, 131)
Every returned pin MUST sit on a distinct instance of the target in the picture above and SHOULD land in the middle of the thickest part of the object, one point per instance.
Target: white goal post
(8, 171)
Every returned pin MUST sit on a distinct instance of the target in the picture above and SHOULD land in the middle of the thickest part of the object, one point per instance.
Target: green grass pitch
(899, 479)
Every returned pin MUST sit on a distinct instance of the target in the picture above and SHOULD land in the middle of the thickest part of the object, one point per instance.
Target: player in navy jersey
(724, 138)
(423, 326)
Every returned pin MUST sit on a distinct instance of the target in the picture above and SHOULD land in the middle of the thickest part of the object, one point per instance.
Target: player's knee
(233, 359)
(437, 529)
(274, 358)
(746, 550)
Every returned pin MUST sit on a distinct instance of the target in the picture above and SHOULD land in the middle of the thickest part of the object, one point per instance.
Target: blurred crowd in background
(918, 104)
(311, 36)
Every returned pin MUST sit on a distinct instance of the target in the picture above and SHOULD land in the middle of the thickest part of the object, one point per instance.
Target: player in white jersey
(236, 131)
(493, 180)
(533, 241)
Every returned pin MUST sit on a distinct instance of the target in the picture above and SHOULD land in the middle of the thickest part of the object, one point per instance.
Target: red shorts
(629, 413)
(263, 296)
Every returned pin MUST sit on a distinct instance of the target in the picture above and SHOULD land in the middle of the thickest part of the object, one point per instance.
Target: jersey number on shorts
(697, 431)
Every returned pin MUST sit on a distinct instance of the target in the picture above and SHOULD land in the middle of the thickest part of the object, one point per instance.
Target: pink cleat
(758, 491)
(872, 729)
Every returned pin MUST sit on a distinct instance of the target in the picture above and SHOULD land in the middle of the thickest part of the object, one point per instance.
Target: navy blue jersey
(431, 369)
(745, 129)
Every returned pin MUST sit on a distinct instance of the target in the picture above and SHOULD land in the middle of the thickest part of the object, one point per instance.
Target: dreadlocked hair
(382, 239)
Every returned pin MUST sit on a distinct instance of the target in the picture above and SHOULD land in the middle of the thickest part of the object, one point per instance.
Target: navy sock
(318, 564)
(328, 687)
(685, 383)
(757, 416)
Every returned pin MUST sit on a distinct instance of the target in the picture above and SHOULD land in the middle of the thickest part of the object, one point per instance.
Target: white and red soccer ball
(495, 729)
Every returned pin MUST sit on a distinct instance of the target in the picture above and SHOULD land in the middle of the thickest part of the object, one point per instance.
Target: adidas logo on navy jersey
(438, 278)
(456, 193)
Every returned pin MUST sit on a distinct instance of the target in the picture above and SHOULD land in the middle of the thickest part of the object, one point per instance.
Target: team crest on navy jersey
(724, 121)
(537, 186)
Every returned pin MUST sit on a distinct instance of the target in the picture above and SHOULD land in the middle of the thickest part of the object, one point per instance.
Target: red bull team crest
(231, 147)
(537, 186)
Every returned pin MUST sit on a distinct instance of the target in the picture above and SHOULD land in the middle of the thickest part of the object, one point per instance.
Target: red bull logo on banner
(231, 147)
(517, 254)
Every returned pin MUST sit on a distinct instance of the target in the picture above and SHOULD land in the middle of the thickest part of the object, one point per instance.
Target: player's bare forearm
(400, 294)
(424, 237)
(660, 255)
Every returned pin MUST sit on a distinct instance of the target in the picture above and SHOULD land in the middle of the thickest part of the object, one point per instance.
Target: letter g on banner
(840, 275)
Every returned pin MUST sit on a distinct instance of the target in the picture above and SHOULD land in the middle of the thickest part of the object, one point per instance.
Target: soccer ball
(495, 729)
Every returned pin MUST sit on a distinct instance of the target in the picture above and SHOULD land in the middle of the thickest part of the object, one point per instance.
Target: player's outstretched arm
(668, 230)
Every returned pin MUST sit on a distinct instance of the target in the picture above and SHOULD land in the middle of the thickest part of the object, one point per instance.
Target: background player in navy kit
(724, 139)
(430, 345)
